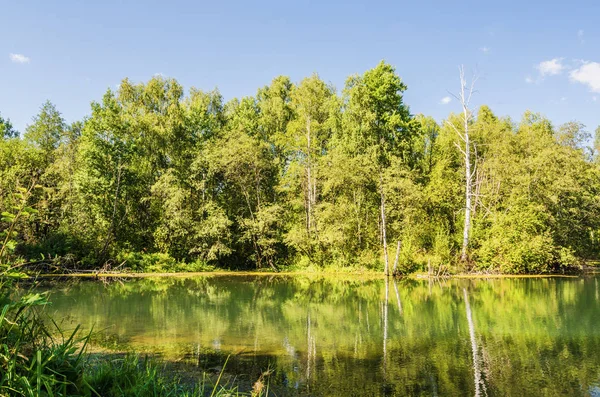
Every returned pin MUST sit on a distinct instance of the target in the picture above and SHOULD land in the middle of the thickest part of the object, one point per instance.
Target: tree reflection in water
(540, 336)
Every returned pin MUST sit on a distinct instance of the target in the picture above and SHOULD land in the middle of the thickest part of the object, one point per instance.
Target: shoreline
(344, 274)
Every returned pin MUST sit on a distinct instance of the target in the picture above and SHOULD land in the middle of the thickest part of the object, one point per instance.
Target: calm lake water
(356, 337)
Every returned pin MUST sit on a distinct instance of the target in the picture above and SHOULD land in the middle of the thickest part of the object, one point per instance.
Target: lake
(347, 336)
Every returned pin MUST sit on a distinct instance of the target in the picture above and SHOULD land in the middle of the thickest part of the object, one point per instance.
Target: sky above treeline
(538, 55)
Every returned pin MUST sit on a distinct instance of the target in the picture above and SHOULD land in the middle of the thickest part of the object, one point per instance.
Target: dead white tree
(464, 97)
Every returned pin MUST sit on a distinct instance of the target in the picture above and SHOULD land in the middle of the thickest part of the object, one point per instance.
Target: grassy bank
(152, 264)
(443, 271)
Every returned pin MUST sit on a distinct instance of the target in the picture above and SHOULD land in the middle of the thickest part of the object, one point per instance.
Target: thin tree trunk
(465, 98)
(468, 188)
(383, 230)
(253, 235)
(111, 231)
(477, 187)
(308, 178)
(358, 217)
(71, 176)
(314, 200)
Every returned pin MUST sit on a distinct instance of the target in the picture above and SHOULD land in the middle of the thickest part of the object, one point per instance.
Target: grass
(33, 362)
(131, 376)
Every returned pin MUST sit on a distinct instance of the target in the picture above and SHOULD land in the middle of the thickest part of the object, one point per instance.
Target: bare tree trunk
(309, 189)
(468, 194)
(477, 186)
(253, 234)
(111, 230)
(383, 230)
(358, 217)
(465, 98)
(314, 201)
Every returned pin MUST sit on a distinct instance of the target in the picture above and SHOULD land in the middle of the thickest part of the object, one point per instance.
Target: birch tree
(306, 142)
(378, 127)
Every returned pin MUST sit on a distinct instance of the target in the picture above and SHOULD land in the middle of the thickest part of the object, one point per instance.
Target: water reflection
(332, 337)
(477, 373)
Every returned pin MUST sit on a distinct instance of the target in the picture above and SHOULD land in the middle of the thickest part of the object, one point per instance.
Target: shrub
(517, 242)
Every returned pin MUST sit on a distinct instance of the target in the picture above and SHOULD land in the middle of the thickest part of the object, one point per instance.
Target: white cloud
(551, 67)
(588, 74)
(445, 100)
(19, 58)
(529, 80)
(594, 98)
(485, 49)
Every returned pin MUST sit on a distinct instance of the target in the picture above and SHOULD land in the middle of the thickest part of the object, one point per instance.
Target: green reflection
(328, 337)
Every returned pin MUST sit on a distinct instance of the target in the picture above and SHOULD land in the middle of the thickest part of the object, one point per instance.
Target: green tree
(47, 130)
(7, 130)
(378, 126)
(306, 141)
(243, 171)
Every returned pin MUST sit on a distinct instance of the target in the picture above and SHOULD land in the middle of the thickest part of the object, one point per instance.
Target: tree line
(298, 175)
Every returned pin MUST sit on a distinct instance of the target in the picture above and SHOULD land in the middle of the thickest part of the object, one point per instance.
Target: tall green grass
(131, 376)
(36, 360)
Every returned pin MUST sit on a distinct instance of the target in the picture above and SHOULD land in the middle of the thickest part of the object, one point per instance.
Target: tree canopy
(297, 175)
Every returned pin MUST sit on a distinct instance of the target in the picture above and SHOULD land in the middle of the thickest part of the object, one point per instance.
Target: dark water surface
(356, 337)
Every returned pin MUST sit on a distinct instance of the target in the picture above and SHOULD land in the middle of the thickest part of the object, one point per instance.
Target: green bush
(517, 242)
(158, 263)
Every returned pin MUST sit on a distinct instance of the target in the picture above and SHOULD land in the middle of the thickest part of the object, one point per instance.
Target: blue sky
(537, 55)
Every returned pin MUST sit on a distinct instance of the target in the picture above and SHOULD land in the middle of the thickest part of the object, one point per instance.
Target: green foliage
(158, 263)
(517, 242)
(295, 175)
(7, 130)
(20, 212)
(129, 377)
(47, 130)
